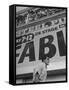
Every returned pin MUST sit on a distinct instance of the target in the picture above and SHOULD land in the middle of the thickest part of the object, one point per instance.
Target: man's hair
(46, 58)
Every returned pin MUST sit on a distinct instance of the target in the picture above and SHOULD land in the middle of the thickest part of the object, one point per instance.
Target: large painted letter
(43, 45)
(31, 53)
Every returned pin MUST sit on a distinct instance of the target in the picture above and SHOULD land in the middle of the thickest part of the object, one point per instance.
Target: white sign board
(39, 44)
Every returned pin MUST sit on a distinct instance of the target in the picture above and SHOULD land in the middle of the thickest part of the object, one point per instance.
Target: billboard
(34, 44)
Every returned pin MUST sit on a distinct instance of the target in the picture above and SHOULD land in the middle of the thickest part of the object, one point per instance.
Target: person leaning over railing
(40, 71)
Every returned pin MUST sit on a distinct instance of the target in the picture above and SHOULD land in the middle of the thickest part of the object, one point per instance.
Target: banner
(34, 45)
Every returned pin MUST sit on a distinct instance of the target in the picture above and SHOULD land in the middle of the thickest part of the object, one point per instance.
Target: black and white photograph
(34, 41)
(41, 55)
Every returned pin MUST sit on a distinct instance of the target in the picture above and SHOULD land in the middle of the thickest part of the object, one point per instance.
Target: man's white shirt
(42, 71)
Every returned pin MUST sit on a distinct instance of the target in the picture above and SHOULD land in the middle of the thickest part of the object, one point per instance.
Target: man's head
(46, 61)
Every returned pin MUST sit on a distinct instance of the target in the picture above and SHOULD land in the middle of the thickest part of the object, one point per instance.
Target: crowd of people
(35, 14)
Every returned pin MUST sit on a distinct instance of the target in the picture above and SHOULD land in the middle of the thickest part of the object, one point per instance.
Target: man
(40, 71)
